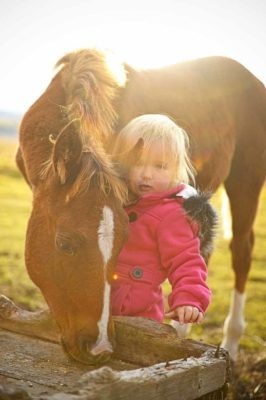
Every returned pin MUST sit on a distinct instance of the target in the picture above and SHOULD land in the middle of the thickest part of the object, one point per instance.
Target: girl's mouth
(144, 188)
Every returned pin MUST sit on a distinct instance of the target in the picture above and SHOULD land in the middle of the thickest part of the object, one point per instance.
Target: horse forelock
(90, 87)
(96, 168)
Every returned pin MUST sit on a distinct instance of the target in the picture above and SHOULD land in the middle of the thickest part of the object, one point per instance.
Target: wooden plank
(145, 342)
(39, 366)
(138, 340)
(175, 380)
(39, 324)
(44, 371)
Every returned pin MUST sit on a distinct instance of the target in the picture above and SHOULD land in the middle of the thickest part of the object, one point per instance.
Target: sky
(144, 33)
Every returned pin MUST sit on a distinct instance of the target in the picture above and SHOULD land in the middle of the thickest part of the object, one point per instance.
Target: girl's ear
(67, 155)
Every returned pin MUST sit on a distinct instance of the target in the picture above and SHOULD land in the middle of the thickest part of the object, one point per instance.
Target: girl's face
(153, 173)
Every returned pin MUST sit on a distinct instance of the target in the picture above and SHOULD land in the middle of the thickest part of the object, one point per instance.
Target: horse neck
(52, 100)
(43, 119)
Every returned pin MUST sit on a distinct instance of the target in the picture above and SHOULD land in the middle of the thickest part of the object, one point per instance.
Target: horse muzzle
(88, 352)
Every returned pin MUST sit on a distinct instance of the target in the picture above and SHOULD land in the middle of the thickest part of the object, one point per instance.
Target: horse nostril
(89, 352)
(84, 344)
(100, 352)
(102, 358)
(99, 358)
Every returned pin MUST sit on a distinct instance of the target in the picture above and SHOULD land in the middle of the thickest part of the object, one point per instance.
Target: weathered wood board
(40, 367)
(138, 340)
(150, 362)
(44, 371)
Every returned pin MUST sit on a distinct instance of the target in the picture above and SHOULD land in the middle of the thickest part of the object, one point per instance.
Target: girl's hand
(186, 314)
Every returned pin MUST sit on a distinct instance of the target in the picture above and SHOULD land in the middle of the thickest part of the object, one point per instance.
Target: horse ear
(126, 160)
(67, 155)
(136, 152)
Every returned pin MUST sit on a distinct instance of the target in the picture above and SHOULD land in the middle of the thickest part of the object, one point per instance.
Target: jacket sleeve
(179, 249)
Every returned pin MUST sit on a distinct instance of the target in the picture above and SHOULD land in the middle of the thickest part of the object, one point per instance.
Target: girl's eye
(161, 166)
(64, 245)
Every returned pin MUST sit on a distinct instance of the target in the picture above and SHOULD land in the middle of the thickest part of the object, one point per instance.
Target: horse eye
(64, 245)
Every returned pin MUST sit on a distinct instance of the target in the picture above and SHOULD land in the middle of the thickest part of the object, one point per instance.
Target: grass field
(15, 206)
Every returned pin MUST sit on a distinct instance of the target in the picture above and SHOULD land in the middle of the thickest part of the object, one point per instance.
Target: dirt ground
(248, 377)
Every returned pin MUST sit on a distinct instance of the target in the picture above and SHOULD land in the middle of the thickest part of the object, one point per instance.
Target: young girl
(162, 243)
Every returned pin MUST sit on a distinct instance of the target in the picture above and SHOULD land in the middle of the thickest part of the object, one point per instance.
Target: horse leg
(243, 198)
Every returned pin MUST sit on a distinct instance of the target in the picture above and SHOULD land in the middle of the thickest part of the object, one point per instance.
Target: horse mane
(96, 166)
(90, 88)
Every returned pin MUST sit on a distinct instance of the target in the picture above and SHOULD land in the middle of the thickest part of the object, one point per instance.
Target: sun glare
(226, 216)
(150, 44)
(143, 33)
(116, 66)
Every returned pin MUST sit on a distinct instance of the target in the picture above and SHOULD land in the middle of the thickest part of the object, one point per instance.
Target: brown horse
(77, 225)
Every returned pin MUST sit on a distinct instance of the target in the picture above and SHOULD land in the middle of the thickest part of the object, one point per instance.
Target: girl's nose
(146, 171)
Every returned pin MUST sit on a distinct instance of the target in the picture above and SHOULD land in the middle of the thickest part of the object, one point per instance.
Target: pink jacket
(162, 244)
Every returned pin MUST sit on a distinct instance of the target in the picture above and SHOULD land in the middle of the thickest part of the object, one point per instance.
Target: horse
(77, 226)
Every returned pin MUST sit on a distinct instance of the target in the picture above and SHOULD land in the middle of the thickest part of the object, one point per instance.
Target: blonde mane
(90, 88)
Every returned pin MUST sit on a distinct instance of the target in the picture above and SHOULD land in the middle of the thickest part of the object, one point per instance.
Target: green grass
(15, 206)
(221, 281)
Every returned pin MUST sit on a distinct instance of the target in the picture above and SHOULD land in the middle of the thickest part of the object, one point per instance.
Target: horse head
(77, 225)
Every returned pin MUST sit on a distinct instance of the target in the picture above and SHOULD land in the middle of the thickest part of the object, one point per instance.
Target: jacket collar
(149, 198)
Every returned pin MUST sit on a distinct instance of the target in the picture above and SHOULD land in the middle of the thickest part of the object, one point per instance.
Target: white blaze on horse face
(106, 234)
(105, 241)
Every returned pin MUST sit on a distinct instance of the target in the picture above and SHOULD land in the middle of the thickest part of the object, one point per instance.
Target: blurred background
(144, 33)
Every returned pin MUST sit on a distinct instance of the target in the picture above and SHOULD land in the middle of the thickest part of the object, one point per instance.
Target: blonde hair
(154, 129)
